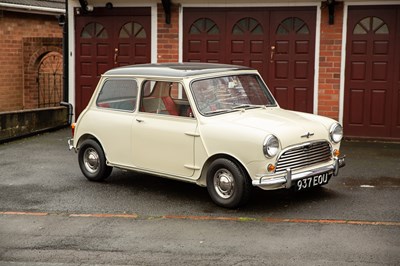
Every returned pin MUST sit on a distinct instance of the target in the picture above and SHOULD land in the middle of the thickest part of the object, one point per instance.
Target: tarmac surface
(51, 215)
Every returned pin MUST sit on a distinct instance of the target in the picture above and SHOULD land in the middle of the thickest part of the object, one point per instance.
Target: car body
(211, 124)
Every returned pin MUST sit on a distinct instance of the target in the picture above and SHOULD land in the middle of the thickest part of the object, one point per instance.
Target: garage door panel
(302, 47)
(102, 49)
(237, 46)
(213, 46)
(86, 49)
(301, 70)
(359, 47)
(282, 47)
(282, 96)
(259, 65)
(257, 47)
(195, 46)
(281, 69)
(141, 50)
(238, 62)
(378, 103)
(101, 67)
(123, 49)
(379, 71)
(358, 70)
(86, 69)
(357, 106)
(372, 65)
(381, 48)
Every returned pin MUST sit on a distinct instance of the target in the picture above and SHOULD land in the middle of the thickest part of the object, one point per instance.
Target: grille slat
(305, 155)
(301, 155)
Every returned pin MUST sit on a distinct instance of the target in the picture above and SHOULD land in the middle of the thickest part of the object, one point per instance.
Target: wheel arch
(202, 181)
(85, 137)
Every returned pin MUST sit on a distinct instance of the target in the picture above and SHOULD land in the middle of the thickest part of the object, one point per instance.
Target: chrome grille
(304, 155)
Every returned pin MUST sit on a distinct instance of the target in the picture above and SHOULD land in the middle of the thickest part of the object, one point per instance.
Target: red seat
(170, 105)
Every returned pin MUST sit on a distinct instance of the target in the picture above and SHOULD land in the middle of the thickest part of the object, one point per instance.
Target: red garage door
(106, 39)
(279, 42)
(372, 82)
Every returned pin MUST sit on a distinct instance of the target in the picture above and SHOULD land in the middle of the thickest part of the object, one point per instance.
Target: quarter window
(119, 94)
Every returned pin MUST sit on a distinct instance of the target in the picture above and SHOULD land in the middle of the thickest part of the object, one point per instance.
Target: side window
(118, 94)
(163, 97)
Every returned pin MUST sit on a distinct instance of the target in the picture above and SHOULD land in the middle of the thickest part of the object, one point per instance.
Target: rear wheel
(92, 161)
(227, 184)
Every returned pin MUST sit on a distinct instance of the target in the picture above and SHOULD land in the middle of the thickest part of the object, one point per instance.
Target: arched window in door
(94, 30)
(373, 25)
(132, 29)
(204, 25)
(292, 25)
(249, 25)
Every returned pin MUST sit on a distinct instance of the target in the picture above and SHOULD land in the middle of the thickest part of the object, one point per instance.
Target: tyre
(92, 161)
(227, 184)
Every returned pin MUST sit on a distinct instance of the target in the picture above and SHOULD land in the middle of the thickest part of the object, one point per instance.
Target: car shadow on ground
(169, 192)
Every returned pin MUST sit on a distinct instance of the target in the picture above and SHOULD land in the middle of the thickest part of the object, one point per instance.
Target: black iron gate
(50, 81)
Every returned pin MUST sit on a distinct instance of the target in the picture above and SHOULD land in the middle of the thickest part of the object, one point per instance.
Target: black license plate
(313, 181)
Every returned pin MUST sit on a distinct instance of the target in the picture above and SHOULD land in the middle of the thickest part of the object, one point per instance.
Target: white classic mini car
(214, 125)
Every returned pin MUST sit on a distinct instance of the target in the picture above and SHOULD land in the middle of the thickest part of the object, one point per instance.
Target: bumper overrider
(287, 179)
(70, 144)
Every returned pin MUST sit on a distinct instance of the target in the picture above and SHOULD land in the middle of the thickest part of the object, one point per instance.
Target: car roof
(174, 69)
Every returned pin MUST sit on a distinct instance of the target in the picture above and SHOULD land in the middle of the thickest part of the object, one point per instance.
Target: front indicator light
(271, 167)
(336, 153)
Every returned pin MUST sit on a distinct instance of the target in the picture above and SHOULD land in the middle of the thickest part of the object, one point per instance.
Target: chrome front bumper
(286, 179)
(70, 144)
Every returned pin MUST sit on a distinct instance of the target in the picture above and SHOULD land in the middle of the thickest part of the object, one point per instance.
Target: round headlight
(336, 133)
(271, 146)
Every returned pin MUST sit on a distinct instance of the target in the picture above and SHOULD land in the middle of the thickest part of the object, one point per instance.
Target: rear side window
(118, 94)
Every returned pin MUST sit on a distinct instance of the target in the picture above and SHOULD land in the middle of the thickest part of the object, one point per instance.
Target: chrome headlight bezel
(271, 146)
(336, 133)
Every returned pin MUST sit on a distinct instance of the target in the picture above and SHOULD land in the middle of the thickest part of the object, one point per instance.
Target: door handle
(272, 52)
(115, 56)
(139, 120)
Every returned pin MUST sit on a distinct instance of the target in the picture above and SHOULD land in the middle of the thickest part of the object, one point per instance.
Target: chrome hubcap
(91, 160)
(224, 183)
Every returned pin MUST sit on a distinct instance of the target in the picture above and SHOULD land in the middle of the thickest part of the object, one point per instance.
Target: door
(372, 91)
(291, 60)
(163, 132)
(278, 42)
(106, 39)
(248, 39)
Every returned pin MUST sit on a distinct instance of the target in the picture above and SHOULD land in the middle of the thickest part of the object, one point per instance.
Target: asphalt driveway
(49, 213)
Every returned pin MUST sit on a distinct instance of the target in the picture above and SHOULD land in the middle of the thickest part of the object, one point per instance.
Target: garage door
(106, 39)
(372, 82)
(278, 42)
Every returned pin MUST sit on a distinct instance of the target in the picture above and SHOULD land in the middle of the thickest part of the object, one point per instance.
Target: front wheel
(227, 184)
(92, 161)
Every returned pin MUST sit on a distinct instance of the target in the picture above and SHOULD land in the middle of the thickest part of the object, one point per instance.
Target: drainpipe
(70, 111)
(65, 101)
(65, 56)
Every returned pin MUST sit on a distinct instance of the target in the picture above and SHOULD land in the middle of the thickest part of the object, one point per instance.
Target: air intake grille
(305, 155)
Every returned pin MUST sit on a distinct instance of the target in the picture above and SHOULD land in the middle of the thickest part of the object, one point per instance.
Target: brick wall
(168, 35)
(13, 28)
(330, 60)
